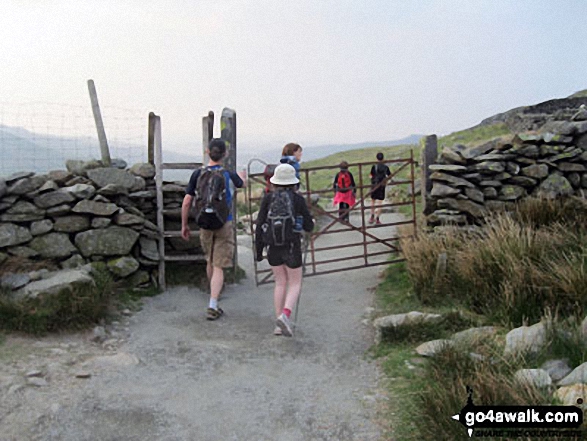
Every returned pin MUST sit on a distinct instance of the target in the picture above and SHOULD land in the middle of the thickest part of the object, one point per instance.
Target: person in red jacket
(345, 190)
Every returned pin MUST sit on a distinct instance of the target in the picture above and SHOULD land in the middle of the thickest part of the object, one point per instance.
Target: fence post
(99, 124)
(151, 139)
(207, 135)
(228, 133)
(158, 157)
(429, 155)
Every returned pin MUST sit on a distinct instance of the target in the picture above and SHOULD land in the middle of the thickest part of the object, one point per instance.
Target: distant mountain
(23, 150)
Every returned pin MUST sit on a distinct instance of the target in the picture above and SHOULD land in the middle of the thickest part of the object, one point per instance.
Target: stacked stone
(469, 182)
(84, 214)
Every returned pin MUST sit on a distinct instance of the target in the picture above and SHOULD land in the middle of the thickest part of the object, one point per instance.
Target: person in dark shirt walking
(379, 174)
(210, 187)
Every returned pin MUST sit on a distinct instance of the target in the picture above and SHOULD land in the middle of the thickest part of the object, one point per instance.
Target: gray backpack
(279, 227)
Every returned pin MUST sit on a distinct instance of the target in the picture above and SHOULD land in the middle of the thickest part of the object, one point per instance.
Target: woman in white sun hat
(282, 217)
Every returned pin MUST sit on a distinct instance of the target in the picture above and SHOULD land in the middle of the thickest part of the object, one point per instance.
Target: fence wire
(41, 136)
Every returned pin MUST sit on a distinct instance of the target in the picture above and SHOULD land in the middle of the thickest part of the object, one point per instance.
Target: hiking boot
(377, 221)
(277, 331)
(372, 219)
(214, 314)
(284, 324)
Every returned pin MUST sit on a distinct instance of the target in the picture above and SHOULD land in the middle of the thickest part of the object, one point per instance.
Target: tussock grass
(444, 392)
(512, 269)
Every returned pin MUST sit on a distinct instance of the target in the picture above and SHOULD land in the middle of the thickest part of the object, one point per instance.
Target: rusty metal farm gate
(335, 245)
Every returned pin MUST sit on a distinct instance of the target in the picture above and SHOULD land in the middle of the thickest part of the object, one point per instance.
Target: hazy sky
(311, 71)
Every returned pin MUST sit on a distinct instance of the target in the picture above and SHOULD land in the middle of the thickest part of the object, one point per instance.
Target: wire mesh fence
(41, 136)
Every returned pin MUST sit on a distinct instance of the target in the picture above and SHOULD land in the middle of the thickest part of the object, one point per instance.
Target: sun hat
(284, 174)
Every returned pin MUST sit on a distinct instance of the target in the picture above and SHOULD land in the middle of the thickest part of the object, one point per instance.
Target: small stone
(570, 395)
(48, 186)
(578, 375)
(431, 348)
(474, 335)
(17, 176)
(557, 369)
(41, 227)
(101, 222)
(126, 312)
(59, 210)
(99, 334)
(113, 190)
(37, 382)
(534, 377)
(14, 281)
(555, 186)
(144, 170)
(525, 339)
(74, 261)
(511, 193)
(81, 191)
(441, 190)
(490, 167)
(368, 312)
(15, 388)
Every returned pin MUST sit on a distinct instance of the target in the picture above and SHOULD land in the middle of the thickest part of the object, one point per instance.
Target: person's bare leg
(209, 271)
(280, 277)
(294, 285)
(216, 282)
(378, 209)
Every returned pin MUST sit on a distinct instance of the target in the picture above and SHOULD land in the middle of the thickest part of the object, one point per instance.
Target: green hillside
(580, 94)
(322, 179)
(475, 135)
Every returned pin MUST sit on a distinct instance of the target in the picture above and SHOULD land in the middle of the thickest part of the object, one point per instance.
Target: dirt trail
(168, 374)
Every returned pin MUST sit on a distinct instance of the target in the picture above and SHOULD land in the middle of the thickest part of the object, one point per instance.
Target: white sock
(213, 303)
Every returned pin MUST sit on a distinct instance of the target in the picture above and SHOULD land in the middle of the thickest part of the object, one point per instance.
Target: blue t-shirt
(229, 176)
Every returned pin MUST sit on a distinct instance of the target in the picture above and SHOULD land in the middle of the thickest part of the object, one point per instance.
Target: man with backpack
(345, 188)
(209, 188)
(283, 216)
(379, 174)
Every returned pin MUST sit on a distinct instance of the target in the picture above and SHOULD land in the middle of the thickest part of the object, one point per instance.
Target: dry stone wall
(470, 182)
(88, 213)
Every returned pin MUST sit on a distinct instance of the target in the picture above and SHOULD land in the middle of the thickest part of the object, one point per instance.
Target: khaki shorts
(218, 245)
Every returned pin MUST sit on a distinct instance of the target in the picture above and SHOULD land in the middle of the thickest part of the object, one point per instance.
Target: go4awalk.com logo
(528, 421)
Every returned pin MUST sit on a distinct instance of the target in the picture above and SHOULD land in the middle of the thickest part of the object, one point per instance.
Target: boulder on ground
(54, 283)
(525, 339)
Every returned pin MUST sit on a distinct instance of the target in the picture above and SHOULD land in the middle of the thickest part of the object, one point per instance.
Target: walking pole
(306, 236)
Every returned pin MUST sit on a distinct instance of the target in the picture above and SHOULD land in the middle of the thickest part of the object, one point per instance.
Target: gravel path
(167, 374)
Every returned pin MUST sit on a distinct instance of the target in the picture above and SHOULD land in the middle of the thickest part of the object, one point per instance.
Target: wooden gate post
(207, 135)
(151, 139)
(429, 155)
(228, 134)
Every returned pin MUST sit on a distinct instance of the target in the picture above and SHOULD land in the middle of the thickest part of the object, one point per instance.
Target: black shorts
(290, 256)
(378, 193)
